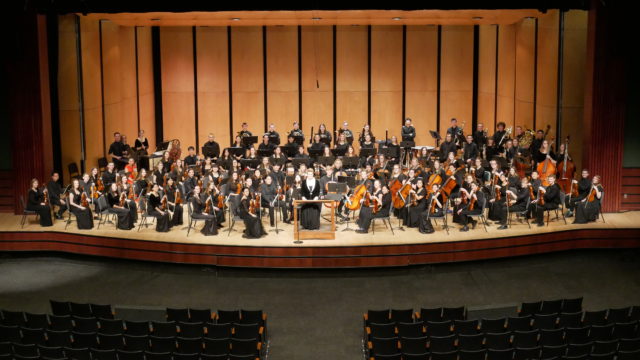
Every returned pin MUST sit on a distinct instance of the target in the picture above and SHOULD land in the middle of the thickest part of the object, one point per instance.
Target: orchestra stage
(349, 249)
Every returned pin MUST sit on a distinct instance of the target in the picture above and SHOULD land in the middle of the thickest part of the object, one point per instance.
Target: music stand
(436, 136)
(163, 146)
(274, 139)
(326, 161)
(208, 151)
(279, 161)
(298, 139)
(236, 150)
(407, 144)
(248, 141)
(297, 161)
(338, 152)
(250, 163)
(349, 180)
(326, 141)
(350, 162)
(315, 153)
(367, 152)
(265, 152)
(290, 150)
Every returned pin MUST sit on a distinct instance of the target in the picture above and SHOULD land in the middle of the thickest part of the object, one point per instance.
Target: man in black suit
(55, 193)
(310, 213)
(551, 200)
(211, 148)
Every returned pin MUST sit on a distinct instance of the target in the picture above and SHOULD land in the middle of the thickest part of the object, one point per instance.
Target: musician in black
(211, 148)
(171, 191)
(154, 207)
(520, 195)
(243, 134)
(456, 132)
(125, 220)
(383, 197)
(475, 200)
(587, 211)
(252, 222)
(274, 137)
(325, 136)
(192, 158)
(301, 154)
(480, 136)
(498, 210)
(348, 134)
(266, 144)
(310, 213)
(434, 207)
(491, 151)
(296, 131)
(500, 136)
(317, 144)
(35, 202)
(199, 205)
(448, 146)
(366, 131)
(408, 132)
(584, 185)
(537, 142)
(479, 170)
(116, 150)
(551, 200)
(470, 150)
(270, 199)
(141, 147)
(54, 191)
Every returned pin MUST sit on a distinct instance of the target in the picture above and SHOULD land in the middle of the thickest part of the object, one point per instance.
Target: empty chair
(498, 341)
(629, 344)
(84, 340)
(37, 321)
(409, 330)
(163, 329)
(59, 338)
(525, 339)
(551, 337)
(497, 354)
(101, 311)
(466, 327)
(51, 352)
(551, 307)
(248, 331)
(382, 346)
(25, 350)
(109, 341)
(526, 353)
(253, 317)
(628, 355)
(431, 314)
(618, 315)
(189, 345)
(572, 305)
(110, 326)
(228, 316)
(241, 357)
(492, 325)
(635, 313)
(577, 335)
(5, 347)
(85, 324)
(216, 346)
(381, 330)
(99, 354)
(130, 355)
(604, 347)
(218, 331)
(609, 356)
(385, 357)
(522, 323)
(136, 328)
(174, 314)
(624, 330)
(529, 308)
(442, 343)
(579, 349)
(413, 345)
(472, 354)
(573, 320)
(581, 357)
(451, 355)
(200, 315)
(62, 322)
(191, 330)
(454, 313)
(13, 318)
(80, 309)
(470, 342)
(595, 318)
(78, 353)
(601, 333)
(60, 308)
(152, 355)
(245, 347)
(162, 344)
(136, 342)
(377, 316)
(545, 321)
(181, 356)
(33, 336)
(10, 333)
(552, 352)
(402, 315)
(440, 328)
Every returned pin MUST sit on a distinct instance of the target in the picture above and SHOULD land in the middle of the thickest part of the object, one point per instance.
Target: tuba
(527, 138)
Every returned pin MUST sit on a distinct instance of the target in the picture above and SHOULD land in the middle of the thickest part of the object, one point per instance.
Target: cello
(353, 202)
(546, 167)
(566, 169)
(403, 194)
(394, 187)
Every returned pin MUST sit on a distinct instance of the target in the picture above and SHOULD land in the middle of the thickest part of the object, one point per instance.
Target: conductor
(310, 213)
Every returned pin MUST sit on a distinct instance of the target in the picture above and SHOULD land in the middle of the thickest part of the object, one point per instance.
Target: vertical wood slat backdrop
(515, 61)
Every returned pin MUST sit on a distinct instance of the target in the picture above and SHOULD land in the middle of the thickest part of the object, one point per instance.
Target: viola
(473, 201)
(83, 200)
(574, 190)
(178, 198)
(208, 207)
(99, 185)
(531, 194)
(220, 201)
(45, 197)
(541, 197)
(123, 197)
(163, 203)
(94, 193)
(592, 194)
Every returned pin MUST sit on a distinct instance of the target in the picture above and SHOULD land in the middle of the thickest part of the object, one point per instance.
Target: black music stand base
(348, 228)
(276, 230)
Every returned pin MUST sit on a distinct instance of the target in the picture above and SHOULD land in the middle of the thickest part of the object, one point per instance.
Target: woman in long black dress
(199, 205)
(171, 193)
(252, 223)
(310, 213)
(130, 202)
(418, 197)
(125, 221)
(141, 146)
(155, 210)
(383, 196)
(434, 207)
(36, 203)
(587, 211)
(83, 214)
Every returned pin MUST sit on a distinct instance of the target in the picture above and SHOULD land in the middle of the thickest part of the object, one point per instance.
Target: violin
(99, 184)
(220, 201)
(83, 200)
(592, 194)
(163, 203)
(541, 196)
(208, 205)
(254, 204)
(94, 193)
(574, 190)
(45, 197)
(531, 194)
(473, 201)
(132, 194)
(123, 198)
(178, 198)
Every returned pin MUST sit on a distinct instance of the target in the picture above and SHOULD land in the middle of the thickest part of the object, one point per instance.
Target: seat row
(544, 353)
(599, 317)
(408, 315)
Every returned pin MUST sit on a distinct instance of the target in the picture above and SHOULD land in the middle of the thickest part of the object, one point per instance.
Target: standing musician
(545, 152)
(269, 199)
(296, 131)
(474, 200)
(251, 217)
(274, 137)
(500, 136)
(589, 208)
(116, 150)
(499, 202)
(470, 150)
(448, 146)
(171, 192)
(244, 133)
(54, 191)
(456, 132)
(551, 195)
(537, 142)
(480, 136)
(408, 132)
(435, 207)
(366, 130)
(348, 134)
(200, 204)
(141, 146)
(211, 147)
(383, 197)
(125, 218)
(491, 151)
(325, 136)
(417, 205)
(310, 213)
(583, 185)
(36, 202)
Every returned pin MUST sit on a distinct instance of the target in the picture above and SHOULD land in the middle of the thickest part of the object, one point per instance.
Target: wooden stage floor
(348, 249)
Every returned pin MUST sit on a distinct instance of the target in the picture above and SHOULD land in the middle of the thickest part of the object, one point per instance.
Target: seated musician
(266, 144)
(199, 206)
(171, 192)
(325, 136)
(447, 147)
(514, 178)
(278, 157)
(417, 204)
(583, 185)
(270, 199)
(551, 195)
(348, 134)
(237, 143)
(326, 179)
(588, 209)
(36, 202)
(461, 200)
(518, 197)
(250, 216)
(434, 207)
(310, 213)
(301, 154)
(154, 207)
(131, 168)
(130, 202)
(473, 206)
(341, 143)
(177, 171)
(212, 148)
(258, 179)
(54, 191)
(491, 150)
(83, 213)
(497, 204)
(478, 170)
(367, 143)
(141, 185)
(383, 197)
(317, 144)
(207, 166)
(125, 219)
(189, 184)
(396, 174)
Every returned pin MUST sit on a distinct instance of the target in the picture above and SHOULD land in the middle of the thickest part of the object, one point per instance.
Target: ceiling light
(477, 18)
(316, 18)
(396, 18)
(235, 19)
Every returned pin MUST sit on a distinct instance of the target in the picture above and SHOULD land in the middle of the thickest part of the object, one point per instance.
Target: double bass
(566, 170)
(546, 168)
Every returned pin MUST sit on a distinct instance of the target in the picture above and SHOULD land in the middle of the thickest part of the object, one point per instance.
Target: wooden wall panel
(573, 69)
(213, 84)
(546, 100)
(112, 81)
(386, 80)
(421, 81)
(282, 78)
(524, 72)
(351, 76)
(506, 74)
(68, 94)
(96, 147)
(127, 75)
(456, 76)
(248, 78)
(487, 76)
(317, 77)
(145, 83)
(178, 106)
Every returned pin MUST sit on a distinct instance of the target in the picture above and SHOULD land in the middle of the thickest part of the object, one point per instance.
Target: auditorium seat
(609, 356)
(245, 347)
(200, 315)
(102, 311)
(577, 335)
(442, 343)
(177, 315)
(78, 353)
(472, 354)
(452, 355)
(595, 318)
(60, 308)
(454, 313)
(98, 354)
(410, 330)
(164, 329)
(218, 331)
(190, 330)
(381, 331)
(550, 352)
(628, 355)
(629, 344)
(51, 352)
(189, 345)
(471, 342)
(413, 345)
(130, 355)
(248, 332)
(466, 327)
(112, 341)
(525, 339)
(521, 353)
(377, 317)
(498, 341)
(549, 307)
(84, 340)
(545, 321)
(572, 305)
(499, 354)
(110, 326)
(625, 330)
(60, 322)
(522, 323)
(216, 347)
(136, 328)
(136, 342)
(10, 333)
(529, 308)
(37, 321)
(214, 357)
(60, 338)
(84, 324)
(151, 355)
(33, 336)
(12, 318)
(401, 315)
(601, 333)
(439, 328)
(604, 347)
(430, 314)
(162, 344)
(383, 346)
(391, 357)
(253, 317)
(635, 313)
(618, 315)
(492, 325)
(551, 337)
(228, 316)
(573, 319)
(80, 309)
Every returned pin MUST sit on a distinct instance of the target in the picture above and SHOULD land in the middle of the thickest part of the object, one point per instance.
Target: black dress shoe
(465, 228)
(541, 225)
(503, 227)
(360, 231)
(474, 223)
